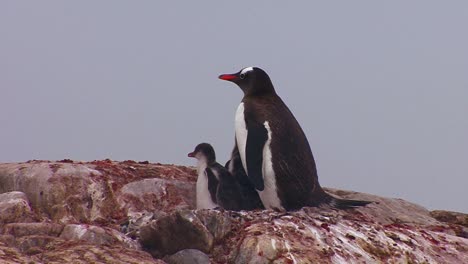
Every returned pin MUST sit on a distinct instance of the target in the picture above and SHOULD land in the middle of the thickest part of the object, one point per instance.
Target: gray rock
(174, 232)
(96, 235)
(91, 234)
(28, 229)
(32, 245)
(62, 191)
(389, 210)
(451, 217)
(14, 207)
(157, 194)
(219, 223)
(131, 228)
(188, 256)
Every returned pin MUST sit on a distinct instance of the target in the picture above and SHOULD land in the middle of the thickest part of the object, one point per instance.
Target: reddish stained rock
(76, 252)
(103, 204)
(14, 207)
(11, 255)
(325, 226)
(157, 194)
(31, 245)
(28, 229)
(97, 235)
(451, 217)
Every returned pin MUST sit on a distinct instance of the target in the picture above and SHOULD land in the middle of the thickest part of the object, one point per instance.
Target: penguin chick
(216, 187)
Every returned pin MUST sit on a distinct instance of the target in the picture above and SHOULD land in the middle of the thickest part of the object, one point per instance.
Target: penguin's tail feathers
(347, 204)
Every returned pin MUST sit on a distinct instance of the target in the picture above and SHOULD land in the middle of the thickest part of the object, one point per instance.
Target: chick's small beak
(191, 155)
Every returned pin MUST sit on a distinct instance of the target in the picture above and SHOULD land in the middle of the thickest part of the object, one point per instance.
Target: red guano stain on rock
(429, 237)
(397, 226)
(438, 228)
(325, 226)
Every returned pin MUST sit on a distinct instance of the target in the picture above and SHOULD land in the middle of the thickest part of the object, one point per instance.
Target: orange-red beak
(228, 77)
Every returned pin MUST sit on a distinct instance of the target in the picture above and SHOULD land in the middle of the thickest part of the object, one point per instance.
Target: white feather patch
(241, 133)
(245, 70)
(204, 200)
(269, 195)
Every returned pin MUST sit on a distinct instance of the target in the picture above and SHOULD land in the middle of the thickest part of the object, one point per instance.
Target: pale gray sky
(380, 88)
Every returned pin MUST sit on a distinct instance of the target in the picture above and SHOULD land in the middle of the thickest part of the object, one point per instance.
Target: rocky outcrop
(138, 212)
(14, 206)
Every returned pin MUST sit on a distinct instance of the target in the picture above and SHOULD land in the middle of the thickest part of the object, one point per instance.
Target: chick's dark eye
(242, 76)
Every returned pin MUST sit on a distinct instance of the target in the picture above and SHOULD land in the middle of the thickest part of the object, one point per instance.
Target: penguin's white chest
(269, 195)
(241, 133)
(203, 195)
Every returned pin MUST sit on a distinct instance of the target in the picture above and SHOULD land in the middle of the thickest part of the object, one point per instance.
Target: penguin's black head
(203, 151)
(252, 81)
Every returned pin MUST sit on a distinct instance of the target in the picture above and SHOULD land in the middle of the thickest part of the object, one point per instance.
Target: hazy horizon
(380, 89)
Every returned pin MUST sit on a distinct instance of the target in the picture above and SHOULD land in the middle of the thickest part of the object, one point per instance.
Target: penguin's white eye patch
(245, 71)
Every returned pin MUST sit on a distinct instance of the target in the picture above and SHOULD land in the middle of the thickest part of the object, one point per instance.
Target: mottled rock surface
(188, 256)
(139, 212)
(14, 207)
(174, 232)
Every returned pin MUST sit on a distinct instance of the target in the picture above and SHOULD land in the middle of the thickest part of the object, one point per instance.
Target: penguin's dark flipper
(348, 204)
(257, 135)
(212, 184)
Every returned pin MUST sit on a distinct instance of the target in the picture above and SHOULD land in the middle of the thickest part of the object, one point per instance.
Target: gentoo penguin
(250, 197)
(216, 187)
(273, 148)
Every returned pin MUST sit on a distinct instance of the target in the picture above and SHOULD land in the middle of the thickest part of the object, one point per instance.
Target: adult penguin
(273, 148)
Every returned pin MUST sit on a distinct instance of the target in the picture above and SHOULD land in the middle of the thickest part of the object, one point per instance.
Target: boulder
(389, 210)
(97, 192)
(188, 256)
(451, 217)
(218, 223)
(28, 229)
(174, 232)
(157, 195)
(314, 235)
(14, 207)
(135, 212)
(97, 235)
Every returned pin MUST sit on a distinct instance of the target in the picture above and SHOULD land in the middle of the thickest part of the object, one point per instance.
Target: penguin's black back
(293, 162)
(228, 193)
(213, 184)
